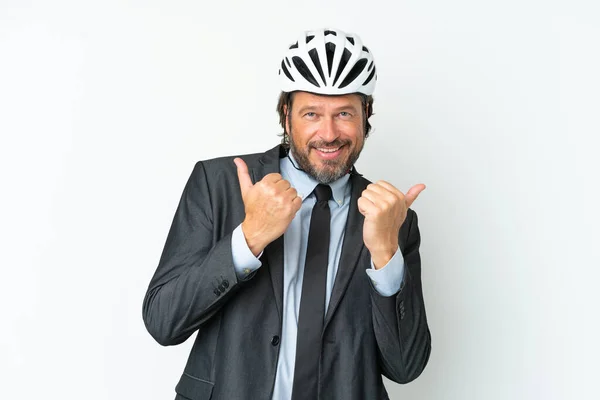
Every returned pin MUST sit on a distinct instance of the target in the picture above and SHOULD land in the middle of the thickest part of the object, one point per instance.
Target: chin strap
(287, 154)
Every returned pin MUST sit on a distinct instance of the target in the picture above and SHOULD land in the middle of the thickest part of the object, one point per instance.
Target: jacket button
(222, 287)
(275, 340)
(226, 283)
(217, 292)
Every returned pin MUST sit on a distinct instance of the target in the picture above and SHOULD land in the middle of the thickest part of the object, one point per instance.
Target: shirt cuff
(388, 279)
(244, 261)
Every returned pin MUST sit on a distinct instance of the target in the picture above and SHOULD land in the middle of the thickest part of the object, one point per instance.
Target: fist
(270, 206)
(384, 208)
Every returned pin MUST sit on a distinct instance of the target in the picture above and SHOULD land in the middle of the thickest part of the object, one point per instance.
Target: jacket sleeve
(399, 321)
(195, 275)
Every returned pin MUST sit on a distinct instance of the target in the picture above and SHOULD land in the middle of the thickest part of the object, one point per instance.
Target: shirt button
(275, 340)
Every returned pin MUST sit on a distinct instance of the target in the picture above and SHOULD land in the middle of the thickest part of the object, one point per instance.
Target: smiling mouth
(328, 150)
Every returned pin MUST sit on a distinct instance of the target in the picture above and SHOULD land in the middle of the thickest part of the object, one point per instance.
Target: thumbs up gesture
(385, 209)
(270, 206)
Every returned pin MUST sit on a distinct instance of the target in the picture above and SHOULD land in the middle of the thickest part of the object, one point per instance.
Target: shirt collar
(305, 184)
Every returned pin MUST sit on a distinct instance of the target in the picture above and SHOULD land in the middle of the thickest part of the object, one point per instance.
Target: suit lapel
(352, 247)
(273, 253)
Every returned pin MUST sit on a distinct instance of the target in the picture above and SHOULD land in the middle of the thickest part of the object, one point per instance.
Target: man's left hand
(385, 209)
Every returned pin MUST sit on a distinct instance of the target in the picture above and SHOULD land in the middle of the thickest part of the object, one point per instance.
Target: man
(267, 253)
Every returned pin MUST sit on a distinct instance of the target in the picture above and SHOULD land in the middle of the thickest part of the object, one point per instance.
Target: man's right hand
(270, 206)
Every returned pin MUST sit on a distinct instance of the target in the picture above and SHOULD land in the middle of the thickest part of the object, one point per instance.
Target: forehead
(306, 99)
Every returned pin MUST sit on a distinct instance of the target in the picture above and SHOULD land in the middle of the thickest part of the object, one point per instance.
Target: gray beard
(332, 170)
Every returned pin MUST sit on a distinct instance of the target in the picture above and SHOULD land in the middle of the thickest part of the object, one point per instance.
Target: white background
(105, 107)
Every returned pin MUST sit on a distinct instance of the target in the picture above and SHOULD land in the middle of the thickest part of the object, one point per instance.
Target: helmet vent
(343, 62)
(329, 51)
(370, 77)
(365, 49)
(314, 56)
(350, 39)
(358, 68)
(286, 72)
(370, 66)
(334, 33)
(304, 71)
(309, 38)
(294, 46)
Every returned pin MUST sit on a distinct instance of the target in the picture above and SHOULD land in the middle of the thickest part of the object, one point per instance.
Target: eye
(345, 114)
(310, 114)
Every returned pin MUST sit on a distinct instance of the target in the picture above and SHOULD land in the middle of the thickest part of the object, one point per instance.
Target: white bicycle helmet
(328, 61)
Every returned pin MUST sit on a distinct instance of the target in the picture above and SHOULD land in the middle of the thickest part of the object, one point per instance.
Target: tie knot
(323, 192)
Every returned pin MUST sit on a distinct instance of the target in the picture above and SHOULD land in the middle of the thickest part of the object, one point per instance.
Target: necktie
(312, 301)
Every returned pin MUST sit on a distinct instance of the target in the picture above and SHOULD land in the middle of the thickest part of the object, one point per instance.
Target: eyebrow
(337, 109)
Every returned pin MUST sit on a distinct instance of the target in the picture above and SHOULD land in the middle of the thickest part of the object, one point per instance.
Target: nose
(328, 131)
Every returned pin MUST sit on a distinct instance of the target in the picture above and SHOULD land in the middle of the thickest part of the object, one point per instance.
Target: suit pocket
(193, 388)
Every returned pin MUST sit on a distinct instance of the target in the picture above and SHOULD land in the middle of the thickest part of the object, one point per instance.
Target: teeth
(328, 150)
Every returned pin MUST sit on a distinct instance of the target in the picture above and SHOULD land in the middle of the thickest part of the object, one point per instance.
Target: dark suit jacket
(238, 323)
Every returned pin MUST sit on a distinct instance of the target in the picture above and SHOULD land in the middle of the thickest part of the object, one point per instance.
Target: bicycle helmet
(328, 61)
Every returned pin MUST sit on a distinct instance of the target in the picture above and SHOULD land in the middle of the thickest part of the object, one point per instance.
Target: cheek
(351, 131)
(304, 131)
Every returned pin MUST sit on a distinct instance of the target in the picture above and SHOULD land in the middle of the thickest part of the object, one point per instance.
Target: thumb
(413, 193)
(243, 175)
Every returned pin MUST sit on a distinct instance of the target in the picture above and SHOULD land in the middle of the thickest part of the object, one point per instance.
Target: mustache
(333, 144)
